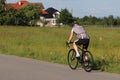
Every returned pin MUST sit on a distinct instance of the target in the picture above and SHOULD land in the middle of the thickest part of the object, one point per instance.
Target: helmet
(74, 22)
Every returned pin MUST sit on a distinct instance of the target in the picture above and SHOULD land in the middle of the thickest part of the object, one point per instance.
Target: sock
(77, 54)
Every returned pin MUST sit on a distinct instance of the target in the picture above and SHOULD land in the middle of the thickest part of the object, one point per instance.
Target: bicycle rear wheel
(87, 61)
(72, 60)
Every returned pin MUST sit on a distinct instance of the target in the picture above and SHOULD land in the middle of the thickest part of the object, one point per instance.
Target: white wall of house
(51, 20)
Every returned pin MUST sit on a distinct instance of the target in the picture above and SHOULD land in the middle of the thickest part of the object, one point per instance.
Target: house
(21, 3)
(49, 15)
(52, 15)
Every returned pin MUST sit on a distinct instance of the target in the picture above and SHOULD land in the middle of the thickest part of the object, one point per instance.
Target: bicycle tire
(72, 60)
(87, 61)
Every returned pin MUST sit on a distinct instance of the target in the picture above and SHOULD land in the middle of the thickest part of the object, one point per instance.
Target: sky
(81, 8)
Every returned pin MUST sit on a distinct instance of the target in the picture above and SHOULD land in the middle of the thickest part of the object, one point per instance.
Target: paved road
(16, 68)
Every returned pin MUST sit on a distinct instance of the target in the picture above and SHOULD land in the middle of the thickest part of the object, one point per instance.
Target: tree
(20, 18)
(118, 20)
(111, 20)
(9, 18)
(65, 17)
(28, 14)
(2, 11)
(2, 2)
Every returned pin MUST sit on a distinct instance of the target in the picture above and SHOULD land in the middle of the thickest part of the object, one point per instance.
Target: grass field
(48, 44)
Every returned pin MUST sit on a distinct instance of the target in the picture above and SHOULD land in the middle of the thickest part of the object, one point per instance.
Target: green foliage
(8, 15)
(20, 18)
(118, 21)
(2, 2)
(31, 11)
(92, 20)
(111, 20)
(2, 11)
(28, 13)
(65, 17)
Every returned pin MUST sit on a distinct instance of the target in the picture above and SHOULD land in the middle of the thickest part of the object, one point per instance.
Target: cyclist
(83, 38)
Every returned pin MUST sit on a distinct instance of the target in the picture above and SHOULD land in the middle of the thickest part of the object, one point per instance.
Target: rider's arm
(70, 37)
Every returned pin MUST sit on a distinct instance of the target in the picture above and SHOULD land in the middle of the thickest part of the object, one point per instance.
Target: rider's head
(74, 22)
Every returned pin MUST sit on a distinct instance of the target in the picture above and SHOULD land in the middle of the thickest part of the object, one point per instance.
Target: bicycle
(86, 59)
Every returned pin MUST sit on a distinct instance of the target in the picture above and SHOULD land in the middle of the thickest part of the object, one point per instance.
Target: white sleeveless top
(80, 32)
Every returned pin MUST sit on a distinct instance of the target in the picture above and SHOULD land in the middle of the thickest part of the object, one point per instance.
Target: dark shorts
(84, 42)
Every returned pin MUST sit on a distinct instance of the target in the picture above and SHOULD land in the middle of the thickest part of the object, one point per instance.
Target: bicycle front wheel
(87, 61)
(72, 60)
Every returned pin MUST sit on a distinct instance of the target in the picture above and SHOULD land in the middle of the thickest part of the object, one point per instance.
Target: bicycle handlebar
(67, 44)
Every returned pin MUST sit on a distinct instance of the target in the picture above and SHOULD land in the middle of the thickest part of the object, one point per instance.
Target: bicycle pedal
(79, 59)
(86, 63)
(72, 58)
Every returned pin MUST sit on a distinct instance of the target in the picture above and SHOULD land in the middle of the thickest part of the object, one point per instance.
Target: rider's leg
(76, 50)
(85, 46)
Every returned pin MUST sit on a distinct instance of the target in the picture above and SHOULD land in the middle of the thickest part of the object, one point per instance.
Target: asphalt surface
(17, 68)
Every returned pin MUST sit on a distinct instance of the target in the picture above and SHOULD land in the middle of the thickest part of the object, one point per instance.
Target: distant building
(52, 15)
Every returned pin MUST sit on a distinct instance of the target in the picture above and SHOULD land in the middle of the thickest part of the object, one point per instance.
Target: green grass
(48, 44)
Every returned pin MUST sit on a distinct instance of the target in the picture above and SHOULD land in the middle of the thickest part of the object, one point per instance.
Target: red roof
(23, 3)
(44, 12)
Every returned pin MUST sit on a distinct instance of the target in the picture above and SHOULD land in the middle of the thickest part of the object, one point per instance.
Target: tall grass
(48, 44)
(105, 46)
(34, 42)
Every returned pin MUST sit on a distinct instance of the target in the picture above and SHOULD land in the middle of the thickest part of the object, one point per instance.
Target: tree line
(67, 18)
(31, 13)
